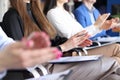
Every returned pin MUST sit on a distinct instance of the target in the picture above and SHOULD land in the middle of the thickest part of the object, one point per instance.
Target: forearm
(2, 62)
(2, 74)
(2, 67)
(92, 30)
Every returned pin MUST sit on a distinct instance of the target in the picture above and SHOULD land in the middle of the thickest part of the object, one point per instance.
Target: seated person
(67, 26)
(19, 55)
(86, 14)
(27, 23)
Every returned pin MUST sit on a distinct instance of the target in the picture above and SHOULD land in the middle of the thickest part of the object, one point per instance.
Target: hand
(41, 39)
(117, 25)
(18, 58)
(108, 24)
(75, 41)
(116, 29)
(102, 20)
(87, 42)
(23, 54)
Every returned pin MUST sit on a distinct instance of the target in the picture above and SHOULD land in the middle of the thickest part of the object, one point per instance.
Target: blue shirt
(82, 14)
(4, 41)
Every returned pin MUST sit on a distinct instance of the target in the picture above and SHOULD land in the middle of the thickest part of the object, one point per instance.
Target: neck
(89, 5)
(60, 5)
(27, 1)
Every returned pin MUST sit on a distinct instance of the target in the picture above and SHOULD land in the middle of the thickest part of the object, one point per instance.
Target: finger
(45, 55)
(40, 39)
(80, 33)
(46, 51)
(21, 44)
(86, 43)
(117, 19)
(105, 16)
(83, 38)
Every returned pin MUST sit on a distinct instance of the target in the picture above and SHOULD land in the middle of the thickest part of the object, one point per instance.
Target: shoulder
(10, 13)
(96, 10)
(53, 11)
(81, 9)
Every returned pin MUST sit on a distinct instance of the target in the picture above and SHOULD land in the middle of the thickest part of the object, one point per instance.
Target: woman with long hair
(24, 19)
(67, 26)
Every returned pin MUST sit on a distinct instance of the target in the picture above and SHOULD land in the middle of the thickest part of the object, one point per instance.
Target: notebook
(73, 59)
(104, 44)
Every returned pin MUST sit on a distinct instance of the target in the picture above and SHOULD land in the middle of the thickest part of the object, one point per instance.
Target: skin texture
(26, 53)
(77, 40)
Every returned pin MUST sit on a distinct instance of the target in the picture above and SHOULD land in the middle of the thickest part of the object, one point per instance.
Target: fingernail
(29, 43)
(57, 53)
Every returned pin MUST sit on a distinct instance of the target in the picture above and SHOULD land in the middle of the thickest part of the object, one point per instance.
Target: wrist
(59, 48)
(62, 48)
(2, 63)
(98, 28)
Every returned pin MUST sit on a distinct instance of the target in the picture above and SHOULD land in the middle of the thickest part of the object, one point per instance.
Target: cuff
(59, 48)
(2, 74)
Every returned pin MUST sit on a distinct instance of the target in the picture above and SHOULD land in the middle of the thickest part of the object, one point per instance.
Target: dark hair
(49, 4)
(29, 25)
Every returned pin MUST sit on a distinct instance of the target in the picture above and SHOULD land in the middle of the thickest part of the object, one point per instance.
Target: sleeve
(63, 26)
(58, 40)
(2, 74)
(67, 28)
(80, 18)
(4, 40)
(12, 26)
(92, 30)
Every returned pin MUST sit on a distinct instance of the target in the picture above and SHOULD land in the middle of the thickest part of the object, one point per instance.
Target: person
(52, 15)
(19, 55)
(66, 26)
(16, 28)
(86, 14)
(40, 22)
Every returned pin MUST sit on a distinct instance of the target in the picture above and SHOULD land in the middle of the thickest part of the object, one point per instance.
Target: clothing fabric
(81, 71)
(65, 23)
(12, 24)
(2, 74)
(82, 16)
(4, 40)
(91, 70)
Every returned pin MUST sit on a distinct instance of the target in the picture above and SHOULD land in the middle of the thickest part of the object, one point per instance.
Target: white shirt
(91, 13)
(4, 41)
(65, 23)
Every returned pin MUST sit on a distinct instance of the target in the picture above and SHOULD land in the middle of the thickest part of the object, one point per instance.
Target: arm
(78, 40)
(11, 25)
(2, 74)
(67, 26)
(4, 40)
(64, 23)
(27, 53)
(80, 18)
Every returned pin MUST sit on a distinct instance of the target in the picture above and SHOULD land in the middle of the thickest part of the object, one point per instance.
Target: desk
(109, 39)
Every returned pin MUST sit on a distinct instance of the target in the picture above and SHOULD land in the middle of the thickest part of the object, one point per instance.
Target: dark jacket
(12, 24)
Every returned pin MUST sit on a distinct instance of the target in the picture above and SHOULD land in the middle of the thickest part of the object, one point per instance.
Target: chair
(0, 23)
(35, 72)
